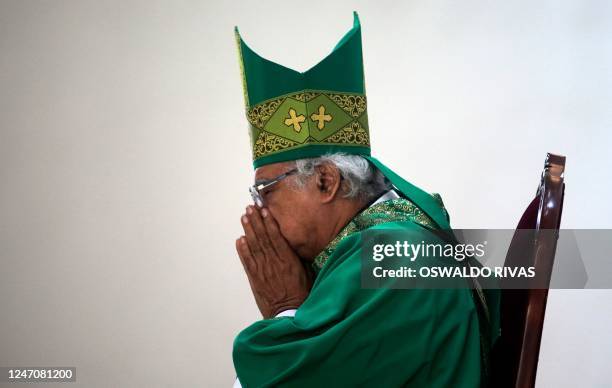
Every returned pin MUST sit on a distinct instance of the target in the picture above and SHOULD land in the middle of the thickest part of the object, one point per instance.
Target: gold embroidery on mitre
(353, 104)
(267, 143)
(294, 120)
(321, 117)
(261, 113)
(304, 96)
(353, 133)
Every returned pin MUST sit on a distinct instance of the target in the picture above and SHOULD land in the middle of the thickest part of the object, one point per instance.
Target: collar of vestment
(389, 207)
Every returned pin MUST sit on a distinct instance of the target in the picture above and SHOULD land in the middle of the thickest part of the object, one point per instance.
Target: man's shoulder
(388, 220)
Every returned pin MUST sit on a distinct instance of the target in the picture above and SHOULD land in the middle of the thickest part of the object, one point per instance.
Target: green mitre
(295, 115)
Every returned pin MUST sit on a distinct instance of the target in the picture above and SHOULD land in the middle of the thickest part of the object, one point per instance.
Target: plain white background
(124, 162)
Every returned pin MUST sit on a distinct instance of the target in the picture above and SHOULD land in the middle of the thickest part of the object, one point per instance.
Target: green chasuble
(344, 335)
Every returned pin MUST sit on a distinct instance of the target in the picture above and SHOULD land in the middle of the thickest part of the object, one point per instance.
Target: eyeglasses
(256, 190)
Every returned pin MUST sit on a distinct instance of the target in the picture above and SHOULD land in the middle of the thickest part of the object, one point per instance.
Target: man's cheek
(280, 220)
(284, 218)
(288, 230)
(285, 229)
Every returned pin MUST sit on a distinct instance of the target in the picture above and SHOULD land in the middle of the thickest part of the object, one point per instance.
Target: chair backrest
(514, 358)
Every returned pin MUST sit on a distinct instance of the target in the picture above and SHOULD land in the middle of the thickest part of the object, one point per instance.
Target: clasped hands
(278, 278)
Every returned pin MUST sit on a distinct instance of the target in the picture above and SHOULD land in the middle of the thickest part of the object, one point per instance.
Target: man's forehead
(270, 171)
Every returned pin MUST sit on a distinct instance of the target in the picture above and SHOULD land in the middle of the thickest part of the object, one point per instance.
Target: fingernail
(264, 212)
(245, 219)
(249, 210)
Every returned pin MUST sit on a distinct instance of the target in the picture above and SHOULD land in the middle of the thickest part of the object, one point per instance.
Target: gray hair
(361, 179)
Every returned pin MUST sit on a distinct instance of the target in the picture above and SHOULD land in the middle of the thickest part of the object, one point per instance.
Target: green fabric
(311, 119)
(341, 70)
(347, 336)
(423, 200)
(316, 111)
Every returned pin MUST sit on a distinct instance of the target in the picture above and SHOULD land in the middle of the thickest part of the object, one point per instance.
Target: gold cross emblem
(321, 117)
(294, 120)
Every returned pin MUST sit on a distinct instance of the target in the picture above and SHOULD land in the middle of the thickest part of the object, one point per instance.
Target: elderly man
(317, 189)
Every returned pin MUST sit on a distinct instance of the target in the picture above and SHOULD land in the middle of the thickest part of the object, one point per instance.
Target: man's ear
(328, 180)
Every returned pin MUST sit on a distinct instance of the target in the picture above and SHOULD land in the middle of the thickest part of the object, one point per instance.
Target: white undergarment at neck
(388, 195)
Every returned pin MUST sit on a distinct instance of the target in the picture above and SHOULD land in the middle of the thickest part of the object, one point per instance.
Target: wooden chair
(514, 358)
